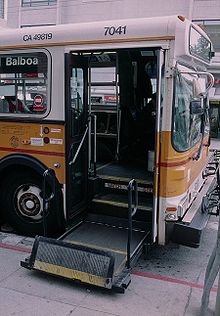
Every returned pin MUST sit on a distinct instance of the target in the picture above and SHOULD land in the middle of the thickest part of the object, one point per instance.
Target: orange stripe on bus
(175, 164)
(28, 151)
(180, 163)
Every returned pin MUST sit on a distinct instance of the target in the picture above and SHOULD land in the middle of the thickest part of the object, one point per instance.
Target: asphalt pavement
(169, 282)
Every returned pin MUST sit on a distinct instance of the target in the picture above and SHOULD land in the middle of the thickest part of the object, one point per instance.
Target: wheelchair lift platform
(94, 252)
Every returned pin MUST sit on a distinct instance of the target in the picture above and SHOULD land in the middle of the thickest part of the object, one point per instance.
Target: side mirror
(196, 107)
(199, 87)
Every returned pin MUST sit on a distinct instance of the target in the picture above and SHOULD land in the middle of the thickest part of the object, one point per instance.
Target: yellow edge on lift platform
(73, 242)
(72, 274)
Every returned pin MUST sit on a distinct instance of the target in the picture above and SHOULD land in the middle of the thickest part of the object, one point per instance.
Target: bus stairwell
(98, 250)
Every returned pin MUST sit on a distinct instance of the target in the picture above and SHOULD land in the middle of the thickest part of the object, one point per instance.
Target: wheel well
(9, 171)
(12, 169)
(6, 173)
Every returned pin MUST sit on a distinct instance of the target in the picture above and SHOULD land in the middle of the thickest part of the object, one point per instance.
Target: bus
(214, 97)
(104, 139)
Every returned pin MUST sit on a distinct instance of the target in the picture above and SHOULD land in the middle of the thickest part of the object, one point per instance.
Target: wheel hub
(29, 201)
(29, 204)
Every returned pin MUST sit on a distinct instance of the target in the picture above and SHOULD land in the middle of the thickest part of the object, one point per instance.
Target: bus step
(116, 205)
(120, 184)
(119, 204)
(75, 262)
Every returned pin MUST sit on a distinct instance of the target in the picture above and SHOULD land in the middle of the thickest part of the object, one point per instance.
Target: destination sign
(23, 63)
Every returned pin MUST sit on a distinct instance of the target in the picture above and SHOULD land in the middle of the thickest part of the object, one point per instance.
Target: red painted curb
(170, 280)
(15, 248)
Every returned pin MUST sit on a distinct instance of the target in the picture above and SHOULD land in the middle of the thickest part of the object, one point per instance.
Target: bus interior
(122, 90)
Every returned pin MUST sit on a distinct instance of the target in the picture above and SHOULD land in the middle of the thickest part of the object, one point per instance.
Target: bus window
(77, 106)
(23, 81)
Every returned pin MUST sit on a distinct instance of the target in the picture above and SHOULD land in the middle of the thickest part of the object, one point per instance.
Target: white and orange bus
(101, 104)
(214, 97)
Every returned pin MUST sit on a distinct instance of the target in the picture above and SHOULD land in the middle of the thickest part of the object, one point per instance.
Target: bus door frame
(155, 222)
(76, 143)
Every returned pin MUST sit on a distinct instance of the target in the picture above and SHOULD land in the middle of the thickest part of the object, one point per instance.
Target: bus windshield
(186, 126)
(199, 46)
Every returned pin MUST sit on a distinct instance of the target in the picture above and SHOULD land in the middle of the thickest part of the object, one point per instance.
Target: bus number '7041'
(115, 30)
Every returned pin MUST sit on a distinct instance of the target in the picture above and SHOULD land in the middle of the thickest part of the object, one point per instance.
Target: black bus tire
(23, 205)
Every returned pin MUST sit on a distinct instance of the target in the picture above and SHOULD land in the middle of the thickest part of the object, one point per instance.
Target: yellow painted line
(120, 204)
(96, 247)
(109, 41)
(70, 273)
(105, 177)
(111, 202)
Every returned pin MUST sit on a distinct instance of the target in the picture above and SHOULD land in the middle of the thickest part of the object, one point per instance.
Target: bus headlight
(170, 217)
(171, 214)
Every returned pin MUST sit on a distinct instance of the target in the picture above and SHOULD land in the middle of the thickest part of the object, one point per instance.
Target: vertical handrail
(93, 119)
(132, 208)
(118, 133)
(94, 144)
(89, 116)
(118, 111)
(48, 172)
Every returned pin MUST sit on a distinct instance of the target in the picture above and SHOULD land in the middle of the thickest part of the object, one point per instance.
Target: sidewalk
(168, 283)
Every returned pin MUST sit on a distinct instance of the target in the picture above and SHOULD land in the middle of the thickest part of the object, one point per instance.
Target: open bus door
(76, 133)
(159, 108)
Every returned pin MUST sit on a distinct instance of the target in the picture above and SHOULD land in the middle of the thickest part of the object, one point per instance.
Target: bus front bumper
(189, 229)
